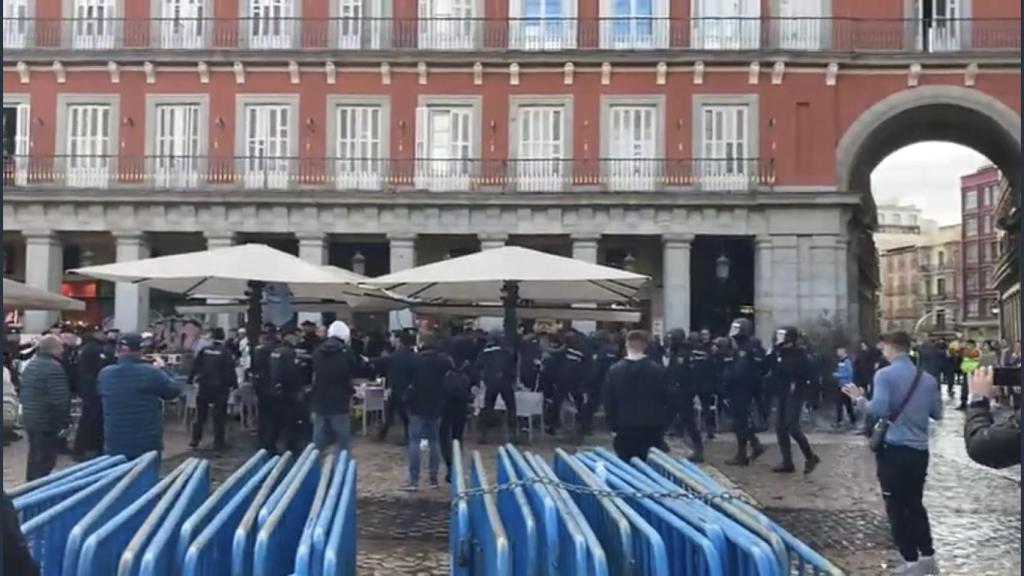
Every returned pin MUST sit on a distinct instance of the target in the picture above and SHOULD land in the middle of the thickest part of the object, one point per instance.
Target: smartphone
(1007, 377)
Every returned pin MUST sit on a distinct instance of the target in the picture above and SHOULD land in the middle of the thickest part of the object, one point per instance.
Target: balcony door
(359, 148)
(632, 164)
(447, 25)
(93, 24)
(267, 145)
(183, 24)
(360, 25)
(272, 24)
(942, 24)
(15, 128)
(724, 162)
(634, 24)
(542, 24)
(541, 151)
(88, 147)
(800, 24)
(444, 145)
(16, 21)
(726, 24)
(177, 150)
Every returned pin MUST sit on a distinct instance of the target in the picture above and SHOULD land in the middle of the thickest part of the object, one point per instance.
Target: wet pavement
(975, 512)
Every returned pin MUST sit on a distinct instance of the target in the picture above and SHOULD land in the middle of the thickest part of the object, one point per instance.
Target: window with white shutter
(631, 163)
(359, 149)
(542, 24)
(448, 24)
(723, 164)
(801, 25)
(176, 147)
(16, 127)
(541, 151)
(360, 24)
(267, 145)
(16, 23)
(726, 24)
(272, 24)
(444, 148)
(634, 24)
(89, 149)
(94, 24)
(183, 24)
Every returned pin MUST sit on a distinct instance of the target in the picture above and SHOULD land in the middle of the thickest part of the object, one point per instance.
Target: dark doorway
(10, 127)
(722, 282)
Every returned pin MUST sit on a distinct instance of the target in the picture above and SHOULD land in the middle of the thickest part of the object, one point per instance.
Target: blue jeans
(421, 428)
(330, 428)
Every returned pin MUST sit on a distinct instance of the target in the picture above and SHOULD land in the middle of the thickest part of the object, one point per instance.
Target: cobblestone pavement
(975, 512)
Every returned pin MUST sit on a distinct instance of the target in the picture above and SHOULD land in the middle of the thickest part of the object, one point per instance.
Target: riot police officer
(496, 366)
(703, 372)
(214, 367)
(287, 381)
(606, 355)
(790, 372)
(566, 368)
(741, 374)
(684, 390)
(269, 410)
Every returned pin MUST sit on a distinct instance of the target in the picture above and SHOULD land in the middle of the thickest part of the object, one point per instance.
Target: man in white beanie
(334, 365)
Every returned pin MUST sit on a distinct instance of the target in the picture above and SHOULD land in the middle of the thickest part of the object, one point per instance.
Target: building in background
(900, 296)
(902, 220)
(1007, 270)
(979, 252)
(939, 276)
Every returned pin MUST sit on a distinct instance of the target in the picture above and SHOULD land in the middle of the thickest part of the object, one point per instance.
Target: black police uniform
(496, 367)
(703, 371)
(790, 372)
(90, 424)
(684, 392)
(606, 357)
(287, 380)
(568, 370)
(398, 371)
(742, 375)
(214, 367)
(270, 416)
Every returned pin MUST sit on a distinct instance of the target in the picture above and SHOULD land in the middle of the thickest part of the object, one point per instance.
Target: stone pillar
(823, 277)
(215, 240)
(44, 268)
(676, 280)
(764, 301)
(786, 280)
(842, 257)
(403, 257)
(312, 249)
(584, 247)
(131, 301)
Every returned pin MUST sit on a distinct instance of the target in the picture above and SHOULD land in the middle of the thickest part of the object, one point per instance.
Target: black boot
(758, 450)
(784, 468)
(740, 459)
(811, 464)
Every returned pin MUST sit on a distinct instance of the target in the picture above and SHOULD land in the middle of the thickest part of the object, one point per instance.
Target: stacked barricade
(592, 514)
(275, 516)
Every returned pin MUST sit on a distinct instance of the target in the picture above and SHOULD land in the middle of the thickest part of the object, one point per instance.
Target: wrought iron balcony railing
(370, 174)
(543, 34)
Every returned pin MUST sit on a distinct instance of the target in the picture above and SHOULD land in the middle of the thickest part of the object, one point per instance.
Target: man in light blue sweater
(903, 460)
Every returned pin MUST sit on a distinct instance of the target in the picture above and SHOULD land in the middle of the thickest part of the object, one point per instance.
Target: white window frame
(22, 136)
(797, 31)
(944, 34)
(81, 31)
(187, 171)
(19, 24)
(717, 173)
(970, 227)
(971, 200)
(87, 171)
(542, 32)
(370, 29)
(635, 38)
(290, 28)
(364, 173)
(715, 27)
(447, 174)
(438, 31)
(639, 173)
(274, 172)
(186, 32)
(546, 173)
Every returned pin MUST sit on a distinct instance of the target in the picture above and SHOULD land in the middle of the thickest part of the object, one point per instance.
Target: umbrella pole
(509, 300)
(254, 319)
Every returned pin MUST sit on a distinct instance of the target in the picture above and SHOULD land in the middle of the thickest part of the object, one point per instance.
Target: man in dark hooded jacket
(637, 401)
(334, 365)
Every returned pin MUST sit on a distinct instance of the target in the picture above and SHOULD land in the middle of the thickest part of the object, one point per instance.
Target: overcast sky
(928, 175)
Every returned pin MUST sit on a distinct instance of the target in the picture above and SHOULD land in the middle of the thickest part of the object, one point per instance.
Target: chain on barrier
(680, 493)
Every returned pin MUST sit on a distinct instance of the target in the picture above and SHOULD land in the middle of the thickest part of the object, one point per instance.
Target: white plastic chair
(373, 403)
(530, 405)
(191, 405)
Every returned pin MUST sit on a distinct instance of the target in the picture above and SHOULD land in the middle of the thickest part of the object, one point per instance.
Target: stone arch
(949, 113)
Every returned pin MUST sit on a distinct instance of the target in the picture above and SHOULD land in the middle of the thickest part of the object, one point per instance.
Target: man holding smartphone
(990, 444)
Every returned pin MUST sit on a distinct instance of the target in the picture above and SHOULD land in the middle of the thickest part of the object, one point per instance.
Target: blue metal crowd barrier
(80, 470)
(596, 561)
(309, 556)
(209, 553)
(340, 547)
(303, 548)
(137, 482)
(515, 512)
(158, 555)
(278, 538)
(47, 532)
(543, 507)
(279, 492)
(798, 558)
(244, 541)
(643, 550)
(491, 556)
(459, 534)
(102, 550)
(35, 502)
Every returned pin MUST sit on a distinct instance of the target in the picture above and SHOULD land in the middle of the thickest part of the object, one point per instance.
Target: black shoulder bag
(882, 426)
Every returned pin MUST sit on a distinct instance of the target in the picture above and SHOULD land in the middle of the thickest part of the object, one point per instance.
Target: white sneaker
(927, 566)
(906, 569)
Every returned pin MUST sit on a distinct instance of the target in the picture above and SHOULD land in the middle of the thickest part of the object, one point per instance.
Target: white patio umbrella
(18, 296)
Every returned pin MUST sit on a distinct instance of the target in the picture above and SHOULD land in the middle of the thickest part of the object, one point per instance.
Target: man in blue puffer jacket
(843, 375)
(132, 390)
